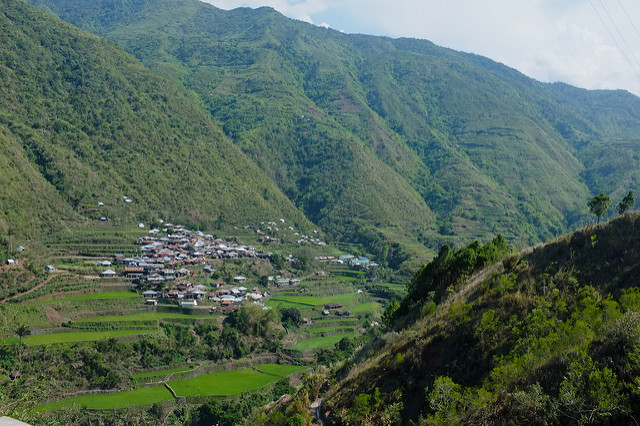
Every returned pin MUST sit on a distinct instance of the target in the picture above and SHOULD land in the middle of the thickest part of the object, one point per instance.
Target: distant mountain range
(376, 140)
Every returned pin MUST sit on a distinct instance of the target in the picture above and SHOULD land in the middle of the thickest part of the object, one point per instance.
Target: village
(167, 266)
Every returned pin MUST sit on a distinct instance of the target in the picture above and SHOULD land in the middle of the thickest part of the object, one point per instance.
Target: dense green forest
(420, 142)
(83, 122)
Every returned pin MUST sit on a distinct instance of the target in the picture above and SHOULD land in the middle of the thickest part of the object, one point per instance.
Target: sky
(593, 44)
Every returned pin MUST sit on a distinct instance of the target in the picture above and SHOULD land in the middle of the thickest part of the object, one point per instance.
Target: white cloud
(548, 40)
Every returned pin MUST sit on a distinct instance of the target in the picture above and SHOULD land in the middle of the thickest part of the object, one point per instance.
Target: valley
(233, 217)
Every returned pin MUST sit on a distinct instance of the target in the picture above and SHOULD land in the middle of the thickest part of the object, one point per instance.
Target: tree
(599, 205)
(627, 203)
(291, 315)
(21, 331)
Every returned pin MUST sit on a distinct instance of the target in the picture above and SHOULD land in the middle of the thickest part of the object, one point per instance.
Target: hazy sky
(593, 44)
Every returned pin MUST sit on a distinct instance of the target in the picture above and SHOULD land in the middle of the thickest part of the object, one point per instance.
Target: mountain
(376, 138)
(545, 336)
(83, 122)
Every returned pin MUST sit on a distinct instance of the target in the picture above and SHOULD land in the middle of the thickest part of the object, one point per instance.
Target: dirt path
(40, 285)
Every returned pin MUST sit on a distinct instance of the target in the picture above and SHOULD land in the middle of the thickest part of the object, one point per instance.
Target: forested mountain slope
(546, 336)
(400, 135)
(83, 122)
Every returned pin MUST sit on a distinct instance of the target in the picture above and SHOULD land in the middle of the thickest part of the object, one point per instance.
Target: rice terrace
(160, 325)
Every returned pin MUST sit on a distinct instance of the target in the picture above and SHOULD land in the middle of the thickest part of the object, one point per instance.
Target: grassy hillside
(422, 142)
(547, 336)
(81, 121)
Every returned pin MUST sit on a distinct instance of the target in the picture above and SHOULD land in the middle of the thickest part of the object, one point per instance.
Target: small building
(11, 262)
(109, 273)
(333, 306)
(239, 279)
(14, 375)
(20, 249)
(50, 268)
(150, 294)
(103, 263)
(189, 303)
(152, 302)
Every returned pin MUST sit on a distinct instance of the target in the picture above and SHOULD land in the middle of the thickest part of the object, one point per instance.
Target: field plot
(231, 382)
(95, 296)
(76, 336)
(320, 342)
(337, 321)
(144, 316)
(329, 329)
(162, 373)
(344, 299)
(280, 369)
(132, 398)
(366, 307)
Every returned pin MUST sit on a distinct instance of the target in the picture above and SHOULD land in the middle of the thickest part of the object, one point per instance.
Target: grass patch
(144, 316)
(76, 336)
(227, 382)
(365, 307)
(161, 373)
(336, 321)
(96, 296)
(280, 369)
(326, 329)
(320, 342)
(344, 299)
(132, 398)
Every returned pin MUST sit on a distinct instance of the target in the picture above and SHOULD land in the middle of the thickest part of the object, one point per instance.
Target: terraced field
(132, 398)
(231, 382)
(75, 336)
(96, 296)
(224, 383)
(144, 316)
(346, 299)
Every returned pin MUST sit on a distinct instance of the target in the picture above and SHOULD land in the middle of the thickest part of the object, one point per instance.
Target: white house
(189, 303)
(108, 273)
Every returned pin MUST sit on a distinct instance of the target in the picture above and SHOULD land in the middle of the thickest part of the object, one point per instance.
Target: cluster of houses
(188, 295)
(267, 228)
(165, 258)
(352, 261)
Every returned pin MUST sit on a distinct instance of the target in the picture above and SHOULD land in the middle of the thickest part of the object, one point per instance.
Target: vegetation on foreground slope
(550, 335)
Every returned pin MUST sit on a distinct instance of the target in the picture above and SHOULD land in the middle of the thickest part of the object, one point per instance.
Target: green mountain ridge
(81, 121)
(400, 136)
(545, 336)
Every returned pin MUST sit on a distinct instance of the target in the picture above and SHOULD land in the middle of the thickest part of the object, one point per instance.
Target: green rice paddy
(161, 373)
(344, 299)
(132, 398)
(144, 316)
(76, 336)
(95, 296)
(231, 382)
(327, 329)
(214, 384)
